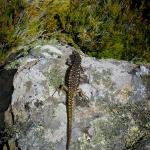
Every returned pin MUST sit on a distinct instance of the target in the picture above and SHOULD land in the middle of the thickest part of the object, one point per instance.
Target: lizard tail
(70, 110)
(69, 132)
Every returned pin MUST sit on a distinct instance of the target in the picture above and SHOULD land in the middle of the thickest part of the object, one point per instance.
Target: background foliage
(103, 29)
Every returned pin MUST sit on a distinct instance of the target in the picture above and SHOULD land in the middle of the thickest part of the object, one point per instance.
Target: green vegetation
(111, 29)
(103, 29)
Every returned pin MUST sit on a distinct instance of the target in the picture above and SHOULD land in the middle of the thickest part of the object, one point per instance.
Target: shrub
(103, 29)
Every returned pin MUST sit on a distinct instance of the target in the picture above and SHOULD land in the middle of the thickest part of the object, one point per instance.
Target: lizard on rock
(72, 80)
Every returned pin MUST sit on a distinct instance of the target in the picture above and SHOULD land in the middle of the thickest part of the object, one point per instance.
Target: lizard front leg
(60, 88)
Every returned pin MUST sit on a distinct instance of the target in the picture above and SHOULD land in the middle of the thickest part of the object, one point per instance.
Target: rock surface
(116, 115)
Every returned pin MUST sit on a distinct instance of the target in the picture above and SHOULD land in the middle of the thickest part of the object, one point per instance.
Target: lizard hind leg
(82, 99)
(82, 94)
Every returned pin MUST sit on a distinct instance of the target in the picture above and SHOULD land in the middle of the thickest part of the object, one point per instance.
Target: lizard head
(75, 58)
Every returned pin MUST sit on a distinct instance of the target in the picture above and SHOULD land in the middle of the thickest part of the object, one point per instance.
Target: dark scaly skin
(72, 82)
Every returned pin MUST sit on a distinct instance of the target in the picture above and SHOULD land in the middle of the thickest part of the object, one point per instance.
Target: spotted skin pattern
(72, 81)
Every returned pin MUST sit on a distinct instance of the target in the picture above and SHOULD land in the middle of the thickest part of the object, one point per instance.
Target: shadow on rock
(6, 90)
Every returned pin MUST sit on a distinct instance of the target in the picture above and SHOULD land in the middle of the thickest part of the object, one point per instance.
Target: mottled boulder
(114, 117)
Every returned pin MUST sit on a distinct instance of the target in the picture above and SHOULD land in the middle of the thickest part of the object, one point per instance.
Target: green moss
(40, 131)
(12, 65)
(103, 77)
(55, 76)
(105, 133)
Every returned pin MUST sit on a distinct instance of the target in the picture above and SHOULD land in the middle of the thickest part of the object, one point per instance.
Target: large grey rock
(110, 119)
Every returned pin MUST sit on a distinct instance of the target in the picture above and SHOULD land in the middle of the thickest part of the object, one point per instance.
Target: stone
(116, 91)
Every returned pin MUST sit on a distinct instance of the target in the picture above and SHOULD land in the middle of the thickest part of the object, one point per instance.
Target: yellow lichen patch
(133, 136)
(123, 93)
